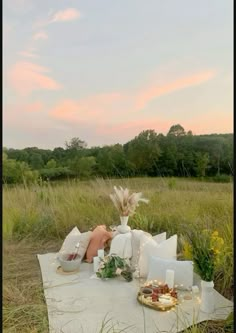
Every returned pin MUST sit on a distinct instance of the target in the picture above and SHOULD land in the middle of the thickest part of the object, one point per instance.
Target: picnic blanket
(83, 303)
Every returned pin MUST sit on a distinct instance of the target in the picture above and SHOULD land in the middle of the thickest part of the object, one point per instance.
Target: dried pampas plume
(125, 202)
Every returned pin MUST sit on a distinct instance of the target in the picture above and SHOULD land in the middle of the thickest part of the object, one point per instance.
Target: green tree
(75, 143)
(17, 172)
(143, 152)
(176, 130)
(36, 161)
(86, 166)
(51, 164)
(202, 161)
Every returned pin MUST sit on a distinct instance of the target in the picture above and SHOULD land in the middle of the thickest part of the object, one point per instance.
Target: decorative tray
(158, 297)
(147, 301)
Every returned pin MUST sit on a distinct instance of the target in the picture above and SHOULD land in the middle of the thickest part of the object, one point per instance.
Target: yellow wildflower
(215, 234)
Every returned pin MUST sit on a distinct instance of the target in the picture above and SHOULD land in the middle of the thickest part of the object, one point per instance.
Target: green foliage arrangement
(205, 250)
(112, 266)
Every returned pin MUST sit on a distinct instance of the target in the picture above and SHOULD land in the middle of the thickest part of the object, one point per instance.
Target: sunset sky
(105, 70)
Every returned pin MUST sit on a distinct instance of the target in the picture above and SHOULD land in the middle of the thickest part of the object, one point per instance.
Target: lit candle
(170, 278)
(96, 262)
(101, 254)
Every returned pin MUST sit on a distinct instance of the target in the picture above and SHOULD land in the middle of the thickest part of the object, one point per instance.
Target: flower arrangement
(112, 266)
(125, 202)
(205, 250)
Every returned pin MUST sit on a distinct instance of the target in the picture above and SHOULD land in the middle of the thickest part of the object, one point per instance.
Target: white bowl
(69, 265)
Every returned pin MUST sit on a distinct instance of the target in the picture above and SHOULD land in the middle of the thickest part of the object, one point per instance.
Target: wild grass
(36, 219)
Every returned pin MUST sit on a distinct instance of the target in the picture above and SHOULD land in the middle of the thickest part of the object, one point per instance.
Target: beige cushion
(84, 240)
(72, 239)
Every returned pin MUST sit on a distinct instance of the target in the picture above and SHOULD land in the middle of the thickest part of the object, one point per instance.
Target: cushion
(70, 241)
(149, 247)
(135, 241)
(121, 245)
(183, 277)
(73, 238)
(160, 237)
(98, 238)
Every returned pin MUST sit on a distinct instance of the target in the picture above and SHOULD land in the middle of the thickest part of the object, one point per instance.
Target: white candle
(170, 274)
(101, 254)
(195, 289)
(96, 262)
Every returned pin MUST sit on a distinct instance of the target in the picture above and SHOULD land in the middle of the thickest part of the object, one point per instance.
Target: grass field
(36, 219)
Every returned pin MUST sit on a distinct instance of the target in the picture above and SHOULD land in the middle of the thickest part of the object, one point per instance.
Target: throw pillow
(72, 239)
(148, 247)
(183, 277)
(135, 240)
(160, 237)
(98, 238)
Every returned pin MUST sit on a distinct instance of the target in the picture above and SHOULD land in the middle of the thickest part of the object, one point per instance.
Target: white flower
(118, 271)
(101, 265)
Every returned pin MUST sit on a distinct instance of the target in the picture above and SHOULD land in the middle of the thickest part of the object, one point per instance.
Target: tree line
(178, 154)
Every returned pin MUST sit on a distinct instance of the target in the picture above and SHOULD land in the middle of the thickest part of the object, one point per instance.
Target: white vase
(123, 228)
(207, 296)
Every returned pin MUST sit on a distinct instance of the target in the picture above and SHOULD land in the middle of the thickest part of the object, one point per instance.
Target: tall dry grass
(46, 213)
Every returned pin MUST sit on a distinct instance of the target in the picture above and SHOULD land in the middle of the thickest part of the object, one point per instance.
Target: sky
(104, 71)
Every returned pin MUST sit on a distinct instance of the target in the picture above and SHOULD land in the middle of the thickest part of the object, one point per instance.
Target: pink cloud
(26, 77)
(134, 127)
(217, 121)
(115, 105)
(40, 35)
(154, 91)
(80, 110)
(68, 14)
(34, 107)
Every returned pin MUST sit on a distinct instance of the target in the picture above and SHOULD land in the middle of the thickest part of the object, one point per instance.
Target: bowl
(146, 292)
(69, 265)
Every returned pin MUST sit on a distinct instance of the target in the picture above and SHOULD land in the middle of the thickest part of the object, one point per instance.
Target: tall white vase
(207, 297)
(123, 228)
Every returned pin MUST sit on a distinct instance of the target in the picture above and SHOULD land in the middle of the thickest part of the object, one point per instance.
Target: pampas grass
(125, 202)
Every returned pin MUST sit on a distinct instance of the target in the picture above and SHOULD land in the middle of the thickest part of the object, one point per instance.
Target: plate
(147, 301)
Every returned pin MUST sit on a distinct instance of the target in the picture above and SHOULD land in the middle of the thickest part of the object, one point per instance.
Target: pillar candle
(101, 254)
(170, 274)
(96, 262)
(195, 289)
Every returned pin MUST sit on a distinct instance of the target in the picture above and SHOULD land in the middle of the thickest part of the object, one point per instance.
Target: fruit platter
(158, 297)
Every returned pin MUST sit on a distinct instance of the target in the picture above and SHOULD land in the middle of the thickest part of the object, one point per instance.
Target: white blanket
(82, 303)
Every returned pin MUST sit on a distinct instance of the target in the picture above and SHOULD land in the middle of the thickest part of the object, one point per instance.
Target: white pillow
(135, 240)
(149, 247)
(183, 277)
(160, 237)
